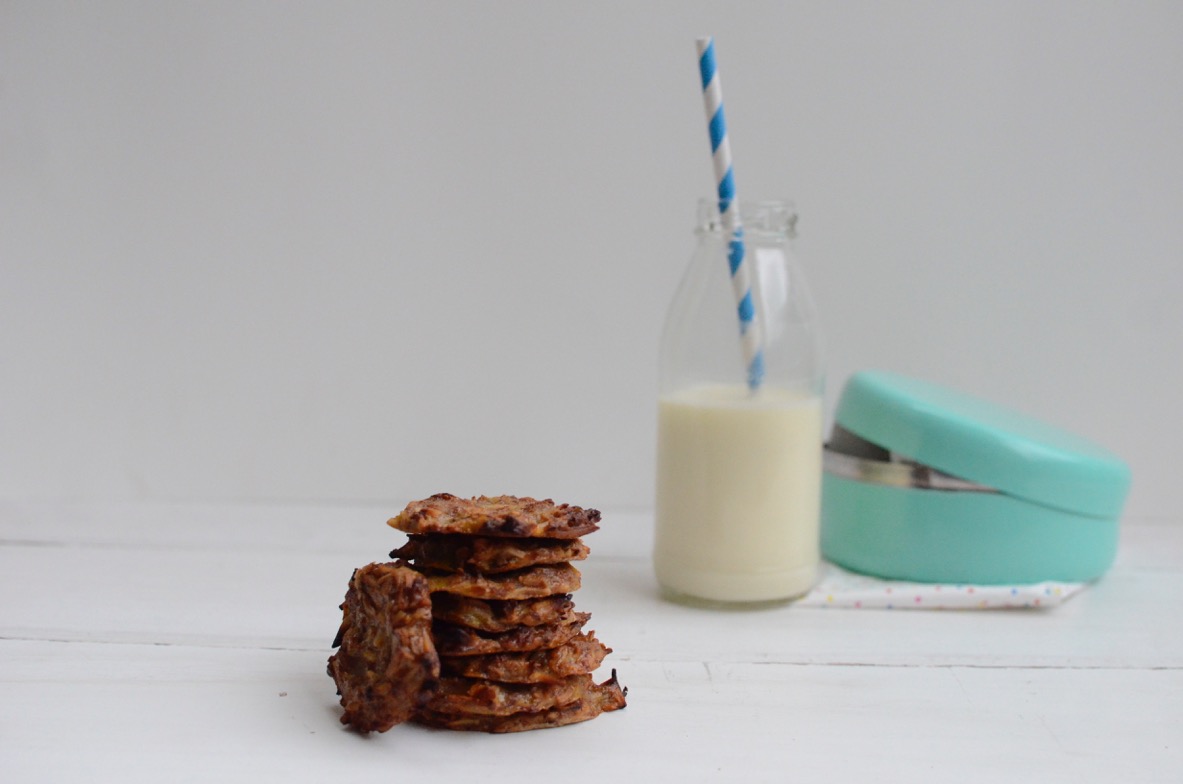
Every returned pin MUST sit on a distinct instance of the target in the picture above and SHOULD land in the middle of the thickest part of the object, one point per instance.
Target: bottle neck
(770, 217)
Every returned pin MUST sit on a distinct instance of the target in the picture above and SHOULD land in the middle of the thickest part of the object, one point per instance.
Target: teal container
(927, 484)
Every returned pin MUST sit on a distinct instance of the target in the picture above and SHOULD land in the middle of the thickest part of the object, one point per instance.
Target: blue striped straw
(741, 284)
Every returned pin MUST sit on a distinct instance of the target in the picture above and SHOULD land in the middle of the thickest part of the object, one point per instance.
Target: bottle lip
(767, 216)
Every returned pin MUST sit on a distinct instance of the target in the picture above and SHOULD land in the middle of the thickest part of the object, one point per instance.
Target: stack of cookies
(512, 651)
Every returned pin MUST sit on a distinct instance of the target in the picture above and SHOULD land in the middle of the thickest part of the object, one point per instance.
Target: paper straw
(712, 98)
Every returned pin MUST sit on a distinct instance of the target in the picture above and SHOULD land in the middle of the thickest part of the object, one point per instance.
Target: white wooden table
(188, 643)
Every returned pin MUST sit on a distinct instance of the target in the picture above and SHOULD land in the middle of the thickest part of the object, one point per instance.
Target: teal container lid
(981, 442)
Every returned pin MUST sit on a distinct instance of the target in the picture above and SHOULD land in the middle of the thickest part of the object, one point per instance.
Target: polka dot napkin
(837, 587)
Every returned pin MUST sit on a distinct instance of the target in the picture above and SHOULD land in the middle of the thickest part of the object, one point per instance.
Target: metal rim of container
(896, 472)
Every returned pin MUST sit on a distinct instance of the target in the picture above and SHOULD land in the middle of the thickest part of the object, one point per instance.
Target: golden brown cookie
(493, 615)
(452, 640)
(503, 515)
(468, 696)
(581, 655)
(487, 554)
(601, 698)
(530, 583)
(386, 666)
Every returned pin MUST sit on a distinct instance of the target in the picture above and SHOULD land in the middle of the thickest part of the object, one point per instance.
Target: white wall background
(339, 252)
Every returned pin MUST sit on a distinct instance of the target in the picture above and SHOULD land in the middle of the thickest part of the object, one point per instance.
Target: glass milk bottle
(739, 469)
